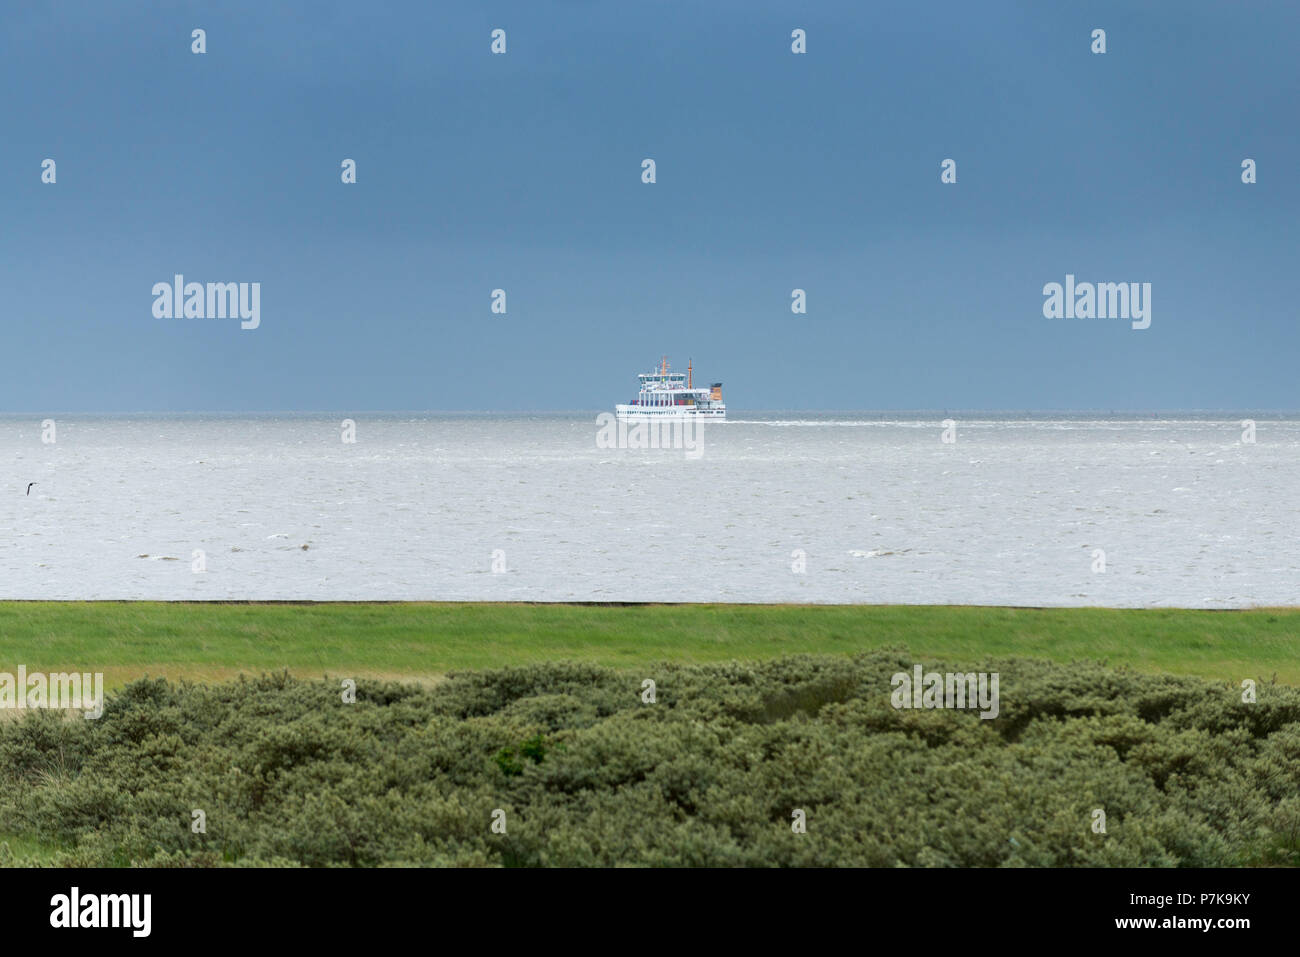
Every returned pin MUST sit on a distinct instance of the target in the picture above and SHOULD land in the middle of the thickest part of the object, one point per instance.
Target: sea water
(1138, 510)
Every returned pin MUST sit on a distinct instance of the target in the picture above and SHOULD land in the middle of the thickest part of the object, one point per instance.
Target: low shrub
(587, 774)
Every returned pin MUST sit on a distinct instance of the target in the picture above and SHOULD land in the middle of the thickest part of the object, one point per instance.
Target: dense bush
(709, 774)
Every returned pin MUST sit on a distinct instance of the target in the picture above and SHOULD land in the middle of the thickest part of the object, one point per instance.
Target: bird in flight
(29, 487)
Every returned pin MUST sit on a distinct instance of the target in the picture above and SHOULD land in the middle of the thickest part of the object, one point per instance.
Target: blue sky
(523, 171)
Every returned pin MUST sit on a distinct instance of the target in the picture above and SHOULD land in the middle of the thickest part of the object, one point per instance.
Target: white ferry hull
(636, 413)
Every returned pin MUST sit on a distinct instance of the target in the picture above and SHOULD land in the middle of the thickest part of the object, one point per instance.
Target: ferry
(672, 395)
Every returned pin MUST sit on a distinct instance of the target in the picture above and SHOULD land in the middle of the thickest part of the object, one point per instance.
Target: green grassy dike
(422, 641)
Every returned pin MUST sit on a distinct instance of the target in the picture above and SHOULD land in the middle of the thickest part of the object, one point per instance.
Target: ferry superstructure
(672, 395)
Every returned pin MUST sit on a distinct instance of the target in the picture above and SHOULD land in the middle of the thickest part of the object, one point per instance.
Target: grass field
(422, 641)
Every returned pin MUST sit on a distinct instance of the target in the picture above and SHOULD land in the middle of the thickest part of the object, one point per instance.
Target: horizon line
(751, 411)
